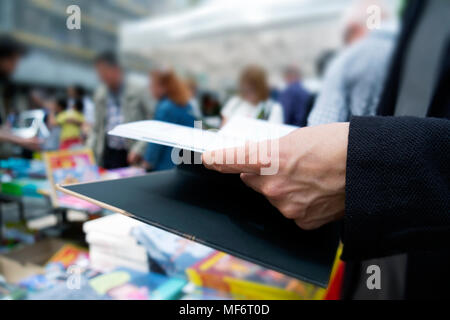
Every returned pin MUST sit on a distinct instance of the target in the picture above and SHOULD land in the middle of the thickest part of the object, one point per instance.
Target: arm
(152, 155)
(389, 178)
(31, 144)
(154, 151)
(51, 115)
(398, 186)
(287, 100)
(332, 105)
(75, 119)
(96, 128)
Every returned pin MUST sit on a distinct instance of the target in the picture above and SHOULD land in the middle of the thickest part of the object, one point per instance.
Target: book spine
(105, 262)
(135, 254)
(113, 242)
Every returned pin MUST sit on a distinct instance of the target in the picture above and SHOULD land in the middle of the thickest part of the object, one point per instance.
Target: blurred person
(69, 120)
(354, 80)
(77, 92)
(117, 101)
(191, 84)
(295, 98)
(254, 100)
(210, 105)
(173, 106)
(11, 52)
(324, 61)
(355, 20)
(37, 99)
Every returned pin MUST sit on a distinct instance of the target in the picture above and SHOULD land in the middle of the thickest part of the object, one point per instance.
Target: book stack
(168, 253)
(111, 244)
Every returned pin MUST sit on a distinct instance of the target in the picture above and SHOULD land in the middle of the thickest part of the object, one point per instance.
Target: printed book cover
(245, 280)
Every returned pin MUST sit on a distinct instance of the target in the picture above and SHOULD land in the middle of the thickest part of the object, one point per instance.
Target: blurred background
(209, 40)
(293, 62)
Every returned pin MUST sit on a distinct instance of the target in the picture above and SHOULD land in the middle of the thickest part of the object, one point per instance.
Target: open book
(235, 133)
(213, 209)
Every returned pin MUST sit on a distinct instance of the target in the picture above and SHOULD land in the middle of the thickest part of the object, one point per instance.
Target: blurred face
(9, 64)
(290, 77)
(354, 33)
(71, 92)
(110, 75)
(157, 89)
(249, 94)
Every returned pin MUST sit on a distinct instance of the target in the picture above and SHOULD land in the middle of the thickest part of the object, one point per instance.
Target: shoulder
(166, 104)
(295, 89)
(79, 115)
(377, 47)
(61, 117)
(164, 108)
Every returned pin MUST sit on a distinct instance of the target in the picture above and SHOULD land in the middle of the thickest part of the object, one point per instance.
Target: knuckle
(271, 189)
(307, 225)
(291, 213)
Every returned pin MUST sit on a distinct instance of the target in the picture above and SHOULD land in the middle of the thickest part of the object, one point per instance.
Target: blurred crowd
(351, 84)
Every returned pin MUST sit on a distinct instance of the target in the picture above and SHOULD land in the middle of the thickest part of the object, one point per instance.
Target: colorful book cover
(125, 284)
(70, 167)
(245, 280)
(171, 253)
(68, 255)
(11, 291)
(122, 173)
(24, 187)
(69, 159)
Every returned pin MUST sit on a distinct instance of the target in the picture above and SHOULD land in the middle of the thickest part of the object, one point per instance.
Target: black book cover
(221, 212)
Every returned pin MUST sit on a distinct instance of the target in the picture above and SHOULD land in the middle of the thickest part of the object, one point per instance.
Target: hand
(134, 158)
(309, 187)
(33, 144)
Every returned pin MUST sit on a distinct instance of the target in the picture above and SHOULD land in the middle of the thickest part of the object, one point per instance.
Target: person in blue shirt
(295, 99)
(173, 107)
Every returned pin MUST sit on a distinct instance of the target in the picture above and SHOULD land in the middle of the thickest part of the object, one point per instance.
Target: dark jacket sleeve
(397, 187)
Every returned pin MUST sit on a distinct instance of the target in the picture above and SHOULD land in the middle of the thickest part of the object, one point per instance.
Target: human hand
(33, 144)
(134, 158)
(309, 187)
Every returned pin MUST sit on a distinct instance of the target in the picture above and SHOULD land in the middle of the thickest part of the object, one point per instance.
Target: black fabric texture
(398, 186)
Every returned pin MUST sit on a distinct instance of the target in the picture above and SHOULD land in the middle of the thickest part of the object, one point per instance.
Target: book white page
(234, 134)
(255, 130)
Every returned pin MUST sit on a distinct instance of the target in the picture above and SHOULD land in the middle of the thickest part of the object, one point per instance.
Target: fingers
(250, 158)
(305, 218)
